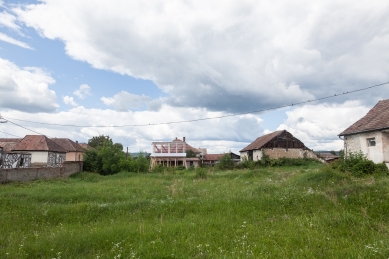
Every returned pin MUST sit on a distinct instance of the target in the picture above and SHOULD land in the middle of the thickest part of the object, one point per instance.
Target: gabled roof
(376, 119)
(261, 141)
(38, 143)
(68, 145)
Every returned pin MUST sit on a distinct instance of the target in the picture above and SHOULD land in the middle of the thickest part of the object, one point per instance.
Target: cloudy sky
(126, 68)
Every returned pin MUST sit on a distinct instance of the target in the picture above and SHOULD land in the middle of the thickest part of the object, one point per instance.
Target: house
(370, 134)
(276, 145)
(11, 159)
(174, 154)
(44, 152)
(74, 152)
(213, 159)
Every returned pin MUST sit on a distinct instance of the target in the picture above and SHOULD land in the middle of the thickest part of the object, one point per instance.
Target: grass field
(288, 212)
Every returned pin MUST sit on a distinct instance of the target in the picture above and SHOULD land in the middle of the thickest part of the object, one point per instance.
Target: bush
(225, 163)
(201, 173)
(357, 164)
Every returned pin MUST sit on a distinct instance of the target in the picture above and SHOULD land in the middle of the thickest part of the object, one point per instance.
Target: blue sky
(134, 63)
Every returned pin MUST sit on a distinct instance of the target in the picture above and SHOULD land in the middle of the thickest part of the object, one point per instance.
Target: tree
(99, 141)
(333, 152)
(190, 153)
(105, 157)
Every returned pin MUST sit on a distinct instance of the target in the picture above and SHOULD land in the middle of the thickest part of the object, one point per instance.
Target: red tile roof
(213, 157)
(377, 118)
(68, 145)
(38, 143)
(261, 141)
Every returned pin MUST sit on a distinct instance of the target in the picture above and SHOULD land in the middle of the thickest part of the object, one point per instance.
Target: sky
(144, 71)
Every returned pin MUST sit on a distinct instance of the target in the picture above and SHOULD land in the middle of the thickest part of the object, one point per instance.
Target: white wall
(358, 142)
(39, 156)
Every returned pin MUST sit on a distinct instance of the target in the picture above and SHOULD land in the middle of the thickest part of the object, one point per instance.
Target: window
(371, 142)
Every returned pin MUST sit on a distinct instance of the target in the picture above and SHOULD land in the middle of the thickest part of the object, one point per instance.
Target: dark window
(371, 142)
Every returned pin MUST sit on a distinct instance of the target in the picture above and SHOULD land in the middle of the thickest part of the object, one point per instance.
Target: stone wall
(277, 153)
(35, 173)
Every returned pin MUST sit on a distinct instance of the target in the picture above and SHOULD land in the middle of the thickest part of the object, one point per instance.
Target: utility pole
(127, 153)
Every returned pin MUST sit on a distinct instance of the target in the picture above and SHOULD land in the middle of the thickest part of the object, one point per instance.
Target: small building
(370, 134)
(213, 159)
(44, 152)
(174, 154)
(12, 159)
(276, 145)
(328, 157)
(74, 152)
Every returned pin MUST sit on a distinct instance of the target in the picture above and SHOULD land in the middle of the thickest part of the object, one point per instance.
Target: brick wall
(35, 173)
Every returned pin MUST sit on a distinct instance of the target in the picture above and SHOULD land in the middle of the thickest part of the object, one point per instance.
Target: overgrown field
(289, 212)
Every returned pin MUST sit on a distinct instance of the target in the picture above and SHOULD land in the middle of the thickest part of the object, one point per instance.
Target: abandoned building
(370, 134)
(276, 145)
(44, 152)
(174, 154)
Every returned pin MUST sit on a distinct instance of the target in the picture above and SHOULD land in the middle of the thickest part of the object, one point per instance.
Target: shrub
(225, 163)
(201, 173)
(358, 164)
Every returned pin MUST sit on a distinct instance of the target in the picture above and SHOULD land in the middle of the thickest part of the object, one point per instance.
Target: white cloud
(318, 125)
(8, 20)
(8, 39)
(124, 101)
(218, 136)
(69, 100)
(227, 55)
(26, 89)
(82, 91)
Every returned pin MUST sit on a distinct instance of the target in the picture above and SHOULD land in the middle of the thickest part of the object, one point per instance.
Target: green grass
(288, 212)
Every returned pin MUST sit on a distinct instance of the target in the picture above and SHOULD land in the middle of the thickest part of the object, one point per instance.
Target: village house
(13, 159)
(276, 145)
(370, 134)
(44, 152)
(174, 154)
(74, 152)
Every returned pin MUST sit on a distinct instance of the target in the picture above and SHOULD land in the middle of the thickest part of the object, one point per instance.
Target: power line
(201, 119)
(25, 127)
(9, 134)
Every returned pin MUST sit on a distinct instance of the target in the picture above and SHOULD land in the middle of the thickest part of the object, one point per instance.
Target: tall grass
(288, 212)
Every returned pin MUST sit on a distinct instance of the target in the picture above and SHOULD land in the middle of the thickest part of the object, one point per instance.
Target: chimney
(183, 139)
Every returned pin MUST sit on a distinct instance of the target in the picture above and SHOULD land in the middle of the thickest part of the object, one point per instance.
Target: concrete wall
(35, 173)
(358, 142)
(39, 156)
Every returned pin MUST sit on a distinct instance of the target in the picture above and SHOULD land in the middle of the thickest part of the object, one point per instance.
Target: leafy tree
(333, 152)
(190, 153)
(105, 157)
(99, 141)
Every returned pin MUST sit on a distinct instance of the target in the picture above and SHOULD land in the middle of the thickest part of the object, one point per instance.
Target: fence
(35, 173)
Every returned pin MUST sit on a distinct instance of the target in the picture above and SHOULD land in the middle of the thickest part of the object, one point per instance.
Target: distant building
(213, 159)
(370, 134)
(276, 145)
(74, 152)
(173, 153)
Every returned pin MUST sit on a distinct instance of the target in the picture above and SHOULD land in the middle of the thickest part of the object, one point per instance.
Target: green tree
(226, 162)
(99, 141)
(190, 153)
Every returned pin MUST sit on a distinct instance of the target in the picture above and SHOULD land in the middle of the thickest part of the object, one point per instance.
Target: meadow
(271, 212)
